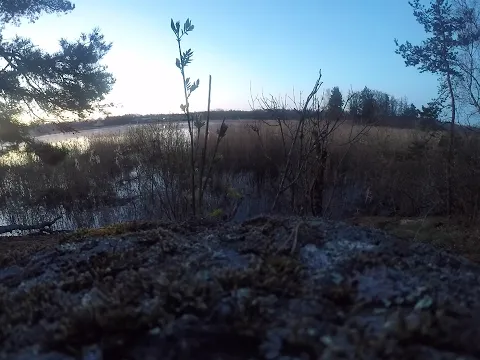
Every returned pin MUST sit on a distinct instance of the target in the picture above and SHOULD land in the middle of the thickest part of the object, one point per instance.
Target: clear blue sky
(276, 46)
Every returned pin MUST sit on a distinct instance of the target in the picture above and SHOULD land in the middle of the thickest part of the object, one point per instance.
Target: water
(144, 201)
(84, 135)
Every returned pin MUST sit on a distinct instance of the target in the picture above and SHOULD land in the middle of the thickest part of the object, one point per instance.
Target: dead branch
(297, 132)
(22, 227)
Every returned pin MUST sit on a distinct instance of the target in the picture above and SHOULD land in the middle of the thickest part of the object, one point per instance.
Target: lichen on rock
(269, 288)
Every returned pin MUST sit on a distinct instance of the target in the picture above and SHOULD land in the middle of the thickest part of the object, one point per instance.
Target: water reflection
(83, 137)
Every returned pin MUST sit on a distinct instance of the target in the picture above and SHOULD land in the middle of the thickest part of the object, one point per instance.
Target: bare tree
(467, 81)
(306, 141)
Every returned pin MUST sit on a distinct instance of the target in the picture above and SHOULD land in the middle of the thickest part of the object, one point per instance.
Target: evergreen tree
(410, 111)
(70, 81)
(335, 104)
(438, 54)
(369, 105)
(432, 111)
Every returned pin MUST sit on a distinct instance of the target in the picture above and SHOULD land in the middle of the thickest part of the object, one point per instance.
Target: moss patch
(438, 231)
(176, 291)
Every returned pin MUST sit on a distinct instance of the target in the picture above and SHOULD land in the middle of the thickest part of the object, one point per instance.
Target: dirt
(269, 288)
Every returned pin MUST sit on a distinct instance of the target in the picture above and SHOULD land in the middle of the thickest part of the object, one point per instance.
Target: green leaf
(194, 86)
(187, 27)
(172, 25)
(179, 65)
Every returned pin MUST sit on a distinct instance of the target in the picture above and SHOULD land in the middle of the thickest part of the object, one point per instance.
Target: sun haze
(274, 47)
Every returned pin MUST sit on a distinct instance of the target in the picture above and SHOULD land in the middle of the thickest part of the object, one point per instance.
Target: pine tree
(68, 82)
(438, 55)
(335, 104)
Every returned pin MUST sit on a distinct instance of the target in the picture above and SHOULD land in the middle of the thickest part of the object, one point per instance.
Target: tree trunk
(451, 147)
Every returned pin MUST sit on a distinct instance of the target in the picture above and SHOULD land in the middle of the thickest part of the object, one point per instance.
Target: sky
(249, 47)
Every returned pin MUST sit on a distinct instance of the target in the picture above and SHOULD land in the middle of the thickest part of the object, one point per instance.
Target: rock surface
(269, 288)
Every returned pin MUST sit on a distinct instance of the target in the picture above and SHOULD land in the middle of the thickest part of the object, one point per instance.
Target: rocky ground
(269, 288)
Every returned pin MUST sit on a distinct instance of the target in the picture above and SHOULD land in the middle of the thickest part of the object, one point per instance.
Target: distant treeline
(366, 106)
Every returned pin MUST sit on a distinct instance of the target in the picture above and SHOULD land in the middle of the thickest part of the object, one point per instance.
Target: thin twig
(205, 141)
(294, 235)
(297, 132)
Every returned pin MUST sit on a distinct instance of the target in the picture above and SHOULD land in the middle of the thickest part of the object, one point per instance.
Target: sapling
(185, 58)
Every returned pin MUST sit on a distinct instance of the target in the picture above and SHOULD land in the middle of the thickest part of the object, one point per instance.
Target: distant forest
(365, 106)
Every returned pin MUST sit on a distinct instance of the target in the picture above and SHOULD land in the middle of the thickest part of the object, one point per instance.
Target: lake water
(84, 135)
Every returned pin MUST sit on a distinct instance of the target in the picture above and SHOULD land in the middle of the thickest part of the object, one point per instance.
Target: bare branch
(21, 227)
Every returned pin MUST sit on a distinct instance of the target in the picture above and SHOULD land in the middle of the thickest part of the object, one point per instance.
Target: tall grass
(146, 172)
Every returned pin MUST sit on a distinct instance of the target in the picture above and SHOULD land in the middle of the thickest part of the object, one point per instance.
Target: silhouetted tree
(429, 115)
(393, 106)
(335, 104)
(368, 105)
(438, 55)
(70, 81)
(383, 104)
(354, 106)
(410, 111)
(431, 111)
(386, 105)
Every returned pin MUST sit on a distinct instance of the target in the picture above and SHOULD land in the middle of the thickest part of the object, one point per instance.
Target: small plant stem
(204, 153)
(214, 155)
(190, 130)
